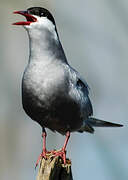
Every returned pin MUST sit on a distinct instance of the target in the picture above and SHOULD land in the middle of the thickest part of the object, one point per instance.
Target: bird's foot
(61, 153)
(44, 155)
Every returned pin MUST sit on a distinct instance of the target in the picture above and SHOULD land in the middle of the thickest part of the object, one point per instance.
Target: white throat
(44, 42)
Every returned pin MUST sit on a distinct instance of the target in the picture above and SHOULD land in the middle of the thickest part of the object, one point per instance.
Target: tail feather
(88, 128)
(99, 123)
(93, 122)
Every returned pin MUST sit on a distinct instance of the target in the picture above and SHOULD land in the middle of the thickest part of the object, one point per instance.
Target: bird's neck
(45, 46)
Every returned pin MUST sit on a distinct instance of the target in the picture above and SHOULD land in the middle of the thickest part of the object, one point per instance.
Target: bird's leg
(62, 152)
(66, 141)
(44, 134)
(43, 154)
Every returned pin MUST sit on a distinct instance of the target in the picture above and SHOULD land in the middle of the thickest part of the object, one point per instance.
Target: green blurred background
(94, 35)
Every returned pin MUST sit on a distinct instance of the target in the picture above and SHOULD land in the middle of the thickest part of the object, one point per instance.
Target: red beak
(29, 18)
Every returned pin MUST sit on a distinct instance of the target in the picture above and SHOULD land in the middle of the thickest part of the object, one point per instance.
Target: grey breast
(47, 94)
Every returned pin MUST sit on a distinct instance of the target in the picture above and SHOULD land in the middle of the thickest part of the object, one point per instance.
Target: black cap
(41, 12)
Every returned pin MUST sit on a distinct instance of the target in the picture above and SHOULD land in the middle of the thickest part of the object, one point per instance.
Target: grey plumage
(53, 93)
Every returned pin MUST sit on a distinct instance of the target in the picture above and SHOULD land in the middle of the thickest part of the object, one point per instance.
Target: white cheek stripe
(41, 23)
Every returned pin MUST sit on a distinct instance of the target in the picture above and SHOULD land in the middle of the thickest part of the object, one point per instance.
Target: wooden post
(53, 168)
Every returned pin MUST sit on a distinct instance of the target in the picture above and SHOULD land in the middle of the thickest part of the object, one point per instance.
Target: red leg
(66, 140)
(62, 152)
(44, 134)
(43, 154)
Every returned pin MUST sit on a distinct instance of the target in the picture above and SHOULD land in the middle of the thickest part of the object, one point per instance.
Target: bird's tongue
(29, 18)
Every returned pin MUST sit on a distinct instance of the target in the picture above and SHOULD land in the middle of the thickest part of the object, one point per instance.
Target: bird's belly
(57, 112)
(46, 99)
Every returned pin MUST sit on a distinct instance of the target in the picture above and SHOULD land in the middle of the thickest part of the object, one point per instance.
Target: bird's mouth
(29, 17)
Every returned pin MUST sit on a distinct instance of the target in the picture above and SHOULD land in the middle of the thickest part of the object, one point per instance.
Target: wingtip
(100, 123)
(120, 125)
(115, 125)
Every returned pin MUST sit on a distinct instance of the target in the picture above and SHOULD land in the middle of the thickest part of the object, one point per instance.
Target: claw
(61, 153)
(42, 155)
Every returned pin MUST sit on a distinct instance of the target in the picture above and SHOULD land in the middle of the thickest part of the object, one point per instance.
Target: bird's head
(38, 18)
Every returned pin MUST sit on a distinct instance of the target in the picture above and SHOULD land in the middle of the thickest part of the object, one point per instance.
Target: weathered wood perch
(53, 168)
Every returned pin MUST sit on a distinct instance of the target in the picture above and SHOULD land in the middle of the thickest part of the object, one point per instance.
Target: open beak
(29, 18)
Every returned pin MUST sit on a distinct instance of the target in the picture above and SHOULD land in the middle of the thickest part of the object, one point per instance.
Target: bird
(54, 94)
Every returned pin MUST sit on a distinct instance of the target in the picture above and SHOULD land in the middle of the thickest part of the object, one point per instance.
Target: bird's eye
(42, 14)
